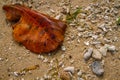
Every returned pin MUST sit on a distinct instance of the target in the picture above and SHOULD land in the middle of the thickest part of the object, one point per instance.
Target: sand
(14, 57)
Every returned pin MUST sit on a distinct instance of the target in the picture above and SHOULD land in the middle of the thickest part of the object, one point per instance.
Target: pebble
(87, 43)
(45, 60)
(79, 35)
(111, 48)
(41, 57)
(96, 54)
(63, 48)
(88, 53)
(97, 68)
(103, 50)
(47, 77)
(70, 69)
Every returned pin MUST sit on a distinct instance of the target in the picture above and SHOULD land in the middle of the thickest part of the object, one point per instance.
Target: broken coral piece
(36, 31)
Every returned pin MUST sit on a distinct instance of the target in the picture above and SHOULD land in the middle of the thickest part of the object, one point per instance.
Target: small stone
(97, 68)
(47, 77)
(88, 53)
(97, 55)
(70, 69)
(111, 48)
(79, 35)
(40, 57)
(45, 60)
(63, 48)
(87, 43)
(103, 50)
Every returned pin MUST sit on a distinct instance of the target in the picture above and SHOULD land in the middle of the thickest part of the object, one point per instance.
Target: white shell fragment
(58, 16)
(70, 69)
(80, 29)
(87, 43)
(88, 53)
(97, 55)
(16, 74)
(103, 27)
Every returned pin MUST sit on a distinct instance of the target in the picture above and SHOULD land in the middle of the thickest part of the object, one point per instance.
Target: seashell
(88, 53)
(36, 31)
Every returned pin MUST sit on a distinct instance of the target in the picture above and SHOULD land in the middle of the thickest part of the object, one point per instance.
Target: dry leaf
(36, 31)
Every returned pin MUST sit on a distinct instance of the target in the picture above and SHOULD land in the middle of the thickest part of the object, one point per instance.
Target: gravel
(97, 68)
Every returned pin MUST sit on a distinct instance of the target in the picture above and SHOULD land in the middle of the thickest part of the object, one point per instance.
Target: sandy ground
(14, 57)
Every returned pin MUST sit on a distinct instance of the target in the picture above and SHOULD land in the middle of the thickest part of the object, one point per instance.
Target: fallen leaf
(36, 31)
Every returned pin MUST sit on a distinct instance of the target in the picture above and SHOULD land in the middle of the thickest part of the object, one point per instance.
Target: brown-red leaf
(36, 31)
